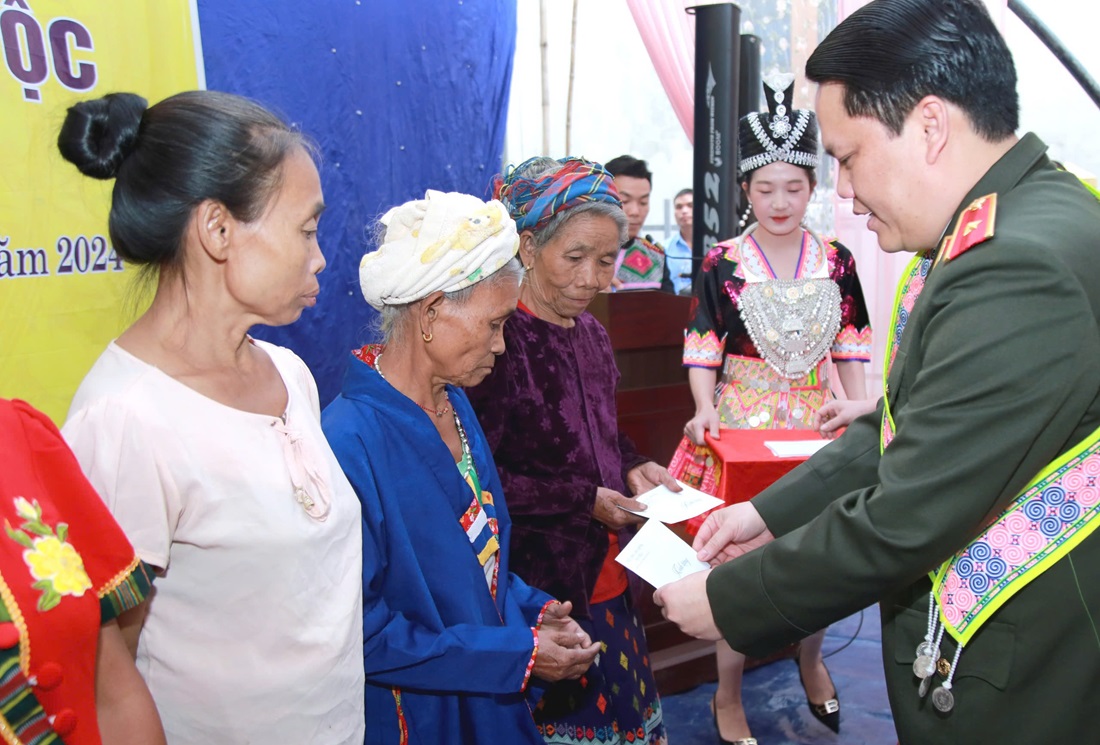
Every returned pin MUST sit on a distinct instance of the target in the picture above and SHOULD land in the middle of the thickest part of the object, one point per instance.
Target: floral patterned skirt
(616, 701)
(751, 396)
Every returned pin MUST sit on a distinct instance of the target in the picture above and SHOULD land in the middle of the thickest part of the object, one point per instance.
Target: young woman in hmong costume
(771, 308)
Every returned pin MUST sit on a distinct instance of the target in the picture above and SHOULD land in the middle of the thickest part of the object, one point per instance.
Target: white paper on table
(672, 507)
(795, 448)
(658, 556)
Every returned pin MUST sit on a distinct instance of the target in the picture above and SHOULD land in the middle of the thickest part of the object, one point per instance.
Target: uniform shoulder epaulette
(975, 225)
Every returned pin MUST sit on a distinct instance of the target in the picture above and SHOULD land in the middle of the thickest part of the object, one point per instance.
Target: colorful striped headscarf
(533, 202)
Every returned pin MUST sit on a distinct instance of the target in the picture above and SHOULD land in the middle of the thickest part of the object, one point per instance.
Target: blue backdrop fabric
(400, 95)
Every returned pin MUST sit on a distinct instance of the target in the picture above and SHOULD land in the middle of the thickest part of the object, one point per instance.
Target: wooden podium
(654, 402)
(647, 334)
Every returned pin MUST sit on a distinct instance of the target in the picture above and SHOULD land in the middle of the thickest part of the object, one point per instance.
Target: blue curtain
(400, 95)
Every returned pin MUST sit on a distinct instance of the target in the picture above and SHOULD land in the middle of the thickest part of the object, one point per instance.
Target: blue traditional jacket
(445, 663)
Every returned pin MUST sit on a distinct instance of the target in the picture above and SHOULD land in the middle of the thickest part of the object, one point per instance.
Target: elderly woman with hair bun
(548, 410)
(457, 649)
(206, 444)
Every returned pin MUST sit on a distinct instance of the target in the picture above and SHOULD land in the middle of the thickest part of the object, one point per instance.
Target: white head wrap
(445, 241)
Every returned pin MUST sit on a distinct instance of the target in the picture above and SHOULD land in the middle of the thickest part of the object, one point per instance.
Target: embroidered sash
(1050, 516)
(909, 288)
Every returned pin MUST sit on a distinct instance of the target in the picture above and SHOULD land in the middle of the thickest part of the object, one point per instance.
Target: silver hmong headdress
(775, 136)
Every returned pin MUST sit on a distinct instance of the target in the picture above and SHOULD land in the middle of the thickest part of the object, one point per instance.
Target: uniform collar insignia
(975, 225)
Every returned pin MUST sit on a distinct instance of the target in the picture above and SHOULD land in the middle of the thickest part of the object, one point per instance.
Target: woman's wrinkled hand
(649, 475)
(562, 655)
(608, 511)
(557, 616)
(700, 424)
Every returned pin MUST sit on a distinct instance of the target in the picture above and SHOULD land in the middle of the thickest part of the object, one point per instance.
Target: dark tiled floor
(776, 705)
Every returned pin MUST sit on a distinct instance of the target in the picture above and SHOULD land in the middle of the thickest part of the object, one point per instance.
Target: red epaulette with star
(975, 225)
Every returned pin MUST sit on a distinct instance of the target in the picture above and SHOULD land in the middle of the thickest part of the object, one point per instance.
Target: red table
(748, 466)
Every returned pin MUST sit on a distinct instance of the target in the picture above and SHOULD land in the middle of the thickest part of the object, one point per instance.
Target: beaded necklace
(465, 443)
(438, 412)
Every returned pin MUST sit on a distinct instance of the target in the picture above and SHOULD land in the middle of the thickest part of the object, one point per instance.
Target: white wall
(619, 106)
(1052, 104)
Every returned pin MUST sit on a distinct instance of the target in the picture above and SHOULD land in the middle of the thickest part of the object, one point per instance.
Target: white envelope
(795, 448)
(672, 507)
(659, 556)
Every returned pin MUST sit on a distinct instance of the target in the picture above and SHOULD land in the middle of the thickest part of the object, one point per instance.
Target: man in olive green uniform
(997, 375)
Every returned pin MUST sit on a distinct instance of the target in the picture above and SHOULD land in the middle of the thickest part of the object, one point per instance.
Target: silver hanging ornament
(943, 699)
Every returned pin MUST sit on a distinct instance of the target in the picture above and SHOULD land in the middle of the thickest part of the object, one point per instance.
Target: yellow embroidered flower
(59, 563)
(25, 509)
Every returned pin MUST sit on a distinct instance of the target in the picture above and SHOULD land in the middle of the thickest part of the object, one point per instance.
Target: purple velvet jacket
(548, 411)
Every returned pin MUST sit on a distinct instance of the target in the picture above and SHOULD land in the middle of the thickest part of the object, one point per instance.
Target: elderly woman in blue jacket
(453, 643)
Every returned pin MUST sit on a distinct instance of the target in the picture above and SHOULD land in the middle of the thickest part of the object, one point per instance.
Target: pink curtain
(669, 36)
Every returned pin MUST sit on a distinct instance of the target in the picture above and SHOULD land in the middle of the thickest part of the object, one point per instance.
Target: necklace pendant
(791, 326)
(924, 667)
(943, 699)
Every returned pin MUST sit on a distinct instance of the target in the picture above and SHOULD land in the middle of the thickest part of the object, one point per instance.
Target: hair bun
(98, 135)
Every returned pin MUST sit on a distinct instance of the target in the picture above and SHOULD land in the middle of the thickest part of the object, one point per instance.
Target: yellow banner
(63, 293)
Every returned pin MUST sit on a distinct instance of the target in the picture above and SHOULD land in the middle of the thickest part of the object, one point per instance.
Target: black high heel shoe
(722, 740)
(827, 713)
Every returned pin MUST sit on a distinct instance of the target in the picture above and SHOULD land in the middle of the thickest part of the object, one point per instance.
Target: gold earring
(426, 337)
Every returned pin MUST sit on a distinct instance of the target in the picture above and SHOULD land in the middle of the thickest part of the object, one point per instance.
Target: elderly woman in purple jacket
(548, 411)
